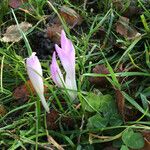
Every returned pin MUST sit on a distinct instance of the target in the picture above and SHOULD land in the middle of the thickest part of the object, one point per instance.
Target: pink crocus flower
(67, 57)
(35, 74)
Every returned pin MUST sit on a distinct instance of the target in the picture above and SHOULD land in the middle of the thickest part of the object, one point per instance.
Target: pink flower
(67, 57)
(35, 74)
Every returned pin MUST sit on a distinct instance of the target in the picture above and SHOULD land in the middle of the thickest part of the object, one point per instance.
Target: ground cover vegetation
(90, 89)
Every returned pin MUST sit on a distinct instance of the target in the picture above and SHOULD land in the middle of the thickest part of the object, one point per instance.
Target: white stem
(71, 84)
(42, 98)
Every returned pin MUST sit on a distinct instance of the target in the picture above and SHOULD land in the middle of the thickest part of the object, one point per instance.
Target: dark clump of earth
(41, 44)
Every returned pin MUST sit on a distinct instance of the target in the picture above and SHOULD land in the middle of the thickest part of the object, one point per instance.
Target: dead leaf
(130, 113)
(12, 33)
(118, 4)
(133, 34)
(23, 91)
(132, 11)
(146, 135)
(101, 33)
(2, 110)
(123, 28)
(52, 120)
(54, 32)
(99, 81)
(71, 17)
(120, 102)
(16, 3)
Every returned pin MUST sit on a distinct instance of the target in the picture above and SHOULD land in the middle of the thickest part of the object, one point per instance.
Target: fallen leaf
(133, 34)
(100, 34)
(120, 102)
(123, 28)
(2, 110)
(12, 33)
(130, 113)
(118, 4)
(71, 17)
(23, 91)
(16, 3)
(146, 135)
(99, 81)
(129, 12)
(54, 32)
(132, 11)
(53, 122)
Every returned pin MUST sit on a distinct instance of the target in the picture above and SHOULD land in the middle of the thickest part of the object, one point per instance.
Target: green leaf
(107, 104)
(92, 102)
(101, 103)
(97, 121)
(146, 91)
(133, 139)
(124, 147)
(115, 120)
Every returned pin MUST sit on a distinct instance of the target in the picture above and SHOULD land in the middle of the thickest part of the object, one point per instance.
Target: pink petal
(34, 71)
(56, 73)
(67, 59)
(66, 44)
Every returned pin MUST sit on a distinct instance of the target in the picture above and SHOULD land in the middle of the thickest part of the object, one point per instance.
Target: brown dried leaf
(23, 91)
(132, 11)
(120, 102)
(2, 110)
(51, 120)
(12, 33)
(118, 4)
(123, 28)
(71, 17)
(146, 135)
(16, 3)
(99, 81)
(53, 123)
(101, 33)
(54, 32)
(130, 113)
(133, 34)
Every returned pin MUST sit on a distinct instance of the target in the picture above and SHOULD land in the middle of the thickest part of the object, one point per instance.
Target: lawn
(74, 75)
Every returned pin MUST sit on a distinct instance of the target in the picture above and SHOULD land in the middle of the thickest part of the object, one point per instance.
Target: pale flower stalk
(66, 55)
(35, 74)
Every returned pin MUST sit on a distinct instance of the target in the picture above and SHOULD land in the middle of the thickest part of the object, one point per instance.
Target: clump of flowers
(66, 55)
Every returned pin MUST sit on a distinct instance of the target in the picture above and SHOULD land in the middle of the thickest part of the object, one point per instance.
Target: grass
(95, 121)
